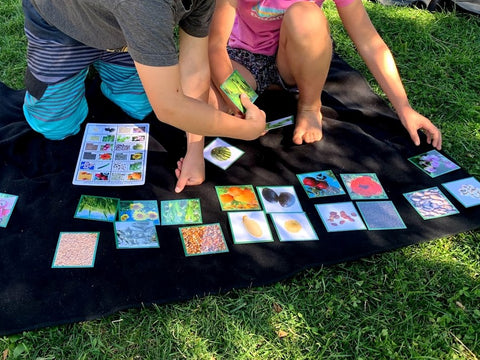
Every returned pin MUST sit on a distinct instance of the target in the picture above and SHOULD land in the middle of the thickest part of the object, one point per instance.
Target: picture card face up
(279, 199)
(434, 163)
(340, 216)
(320, 184)
(234, 86)
(466, 191)
(7, 203)
(139, 210)
(293, 227)
(249, 227)
(380, 215)
(430, 203)
(221, 153)
(237, 197)
(135, 234)
(363, 186)
(97, 208)
(180, 212)
(203, 239)
(76, 250)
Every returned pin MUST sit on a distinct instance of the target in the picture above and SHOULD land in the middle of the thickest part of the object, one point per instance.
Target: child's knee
(305, 19)
(56, 110)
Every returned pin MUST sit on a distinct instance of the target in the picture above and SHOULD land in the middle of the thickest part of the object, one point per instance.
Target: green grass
(421, 302)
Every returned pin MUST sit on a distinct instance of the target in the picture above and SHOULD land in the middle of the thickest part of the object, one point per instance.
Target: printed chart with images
(112, 155)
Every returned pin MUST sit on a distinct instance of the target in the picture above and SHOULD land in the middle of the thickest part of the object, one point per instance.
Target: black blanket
(361, 134)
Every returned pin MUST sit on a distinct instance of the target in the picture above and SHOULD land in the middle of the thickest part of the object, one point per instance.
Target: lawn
(420, 302)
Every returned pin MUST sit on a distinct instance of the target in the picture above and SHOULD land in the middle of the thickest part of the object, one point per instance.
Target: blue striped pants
(55, 103)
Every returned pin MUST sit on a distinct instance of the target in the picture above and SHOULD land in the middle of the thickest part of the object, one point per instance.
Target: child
(66, 37)
(287, 43)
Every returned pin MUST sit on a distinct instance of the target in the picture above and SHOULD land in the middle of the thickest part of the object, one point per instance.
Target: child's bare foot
(308, 127)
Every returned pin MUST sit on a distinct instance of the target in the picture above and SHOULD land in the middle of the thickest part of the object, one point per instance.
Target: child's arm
(170, 104)
(379, 59)
(220, 30)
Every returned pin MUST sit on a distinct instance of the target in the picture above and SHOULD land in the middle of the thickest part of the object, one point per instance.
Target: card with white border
(293, 227)
(279, 199)
(221, 153)
(466, 191)
(431, 203)
(76, 250)
(341, 216)
(380, 215)
(249, 227)
(7, 203)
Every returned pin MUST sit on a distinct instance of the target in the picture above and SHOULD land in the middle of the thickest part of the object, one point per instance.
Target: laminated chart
(112, 155)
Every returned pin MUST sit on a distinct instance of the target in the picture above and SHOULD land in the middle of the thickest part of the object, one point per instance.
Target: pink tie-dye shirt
(257, 24)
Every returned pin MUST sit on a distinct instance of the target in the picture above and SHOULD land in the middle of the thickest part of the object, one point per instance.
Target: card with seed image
(249, 227)
(380, 215)
(76, 250)
(431, 203)
(203, 239)
(363, 186)
(136, 234)
(279, 199)
(237, 197)
(275, 124)
(466, 191)
(320, 184)
(434, 163)
(221, 153)
(97, 208)
(7, 203)
(180, 212)
(234, 86)
(139, 210)
(340, 216)
(293, 227)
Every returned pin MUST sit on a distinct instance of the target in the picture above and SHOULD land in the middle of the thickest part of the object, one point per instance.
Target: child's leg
(59, 111)
(304, 55)
(121, 84)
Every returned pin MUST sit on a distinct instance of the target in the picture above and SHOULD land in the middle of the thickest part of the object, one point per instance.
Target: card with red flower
(363, 186)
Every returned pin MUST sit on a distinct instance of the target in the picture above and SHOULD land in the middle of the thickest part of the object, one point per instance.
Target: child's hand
(255, 117)
(415, 121)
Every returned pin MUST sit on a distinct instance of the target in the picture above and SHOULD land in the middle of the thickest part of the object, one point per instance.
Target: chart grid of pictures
(433, 163)
(76, 250)
(279, 199)
(237, 197)
(203, 239)
(341, 216)
(431, 203)
(112, 155)
(380, 215)
(135, 234)
(466, 191)
(182, 211)
(320, 183)
(139, 210)
(249, 227)
(7, 203)
(363, 186)
(97, 208)
(293, 227)
(234, 86)
(221, 153)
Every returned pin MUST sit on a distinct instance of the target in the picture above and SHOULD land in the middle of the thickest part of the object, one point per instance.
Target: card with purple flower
(434, 163)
